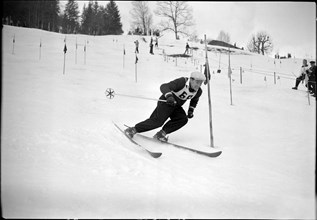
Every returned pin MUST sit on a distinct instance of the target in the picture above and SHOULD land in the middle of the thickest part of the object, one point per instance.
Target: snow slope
(61, 156)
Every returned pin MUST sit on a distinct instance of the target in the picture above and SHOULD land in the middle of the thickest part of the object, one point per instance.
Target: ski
(153, 154)
(208, 154)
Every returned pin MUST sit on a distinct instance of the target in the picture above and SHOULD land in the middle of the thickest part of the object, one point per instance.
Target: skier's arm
(193, 104)
(175, 85)
(194, 100)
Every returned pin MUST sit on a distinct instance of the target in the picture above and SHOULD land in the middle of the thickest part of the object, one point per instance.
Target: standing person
(176, 93)
(186, 48)
(156, 42)
(312, 78)
(302, 74)
(136, 46)
(151, 46)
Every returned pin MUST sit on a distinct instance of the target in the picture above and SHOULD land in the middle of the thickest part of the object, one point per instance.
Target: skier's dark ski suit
(178, 118)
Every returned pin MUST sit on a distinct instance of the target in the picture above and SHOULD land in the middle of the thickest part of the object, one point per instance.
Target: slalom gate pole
(85, 48)
(40, 49)
(209, 99)
(76, 52)
(229, 75)
(64, 64)
(136, 68)
(13, 44)
(306, 80)
(123, 54)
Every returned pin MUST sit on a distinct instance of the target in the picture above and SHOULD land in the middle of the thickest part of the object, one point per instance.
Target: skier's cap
(197, 76)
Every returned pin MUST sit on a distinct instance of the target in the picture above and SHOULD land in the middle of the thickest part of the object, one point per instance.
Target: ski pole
(110, 93)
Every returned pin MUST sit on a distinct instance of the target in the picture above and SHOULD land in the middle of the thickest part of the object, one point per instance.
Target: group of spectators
(307, 75)
(151, 45)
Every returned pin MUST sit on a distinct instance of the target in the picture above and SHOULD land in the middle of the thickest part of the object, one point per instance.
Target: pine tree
(97, 24)
(35, 14)
(112, 19)
(87, 19)
(70, 19)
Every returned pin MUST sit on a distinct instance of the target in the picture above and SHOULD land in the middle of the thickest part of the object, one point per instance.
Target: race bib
(184, 93)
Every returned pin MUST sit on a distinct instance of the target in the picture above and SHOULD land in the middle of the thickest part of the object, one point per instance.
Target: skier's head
(196, 79)
(312, 63)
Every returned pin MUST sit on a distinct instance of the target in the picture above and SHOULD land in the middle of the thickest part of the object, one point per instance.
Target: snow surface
(61, 156)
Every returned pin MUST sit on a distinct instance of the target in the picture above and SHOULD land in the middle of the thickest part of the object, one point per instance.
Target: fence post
(274, 78)
(240, 75)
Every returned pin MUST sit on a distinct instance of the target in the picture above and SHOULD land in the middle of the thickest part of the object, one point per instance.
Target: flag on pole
(65, 49)
(207, 73)
(136, 59)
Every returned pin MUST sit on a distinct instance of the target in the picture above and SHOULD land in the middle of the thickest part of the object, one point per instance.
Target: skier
(302, 75)
(176, 93)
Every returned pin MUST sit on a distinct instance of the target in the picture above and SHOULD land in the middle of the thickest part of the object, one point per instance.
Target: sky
(291, 25)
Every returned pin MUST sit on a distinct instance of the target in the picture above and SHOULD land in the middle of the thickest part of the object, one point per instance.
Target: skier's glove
(170, 100)
(190, 113)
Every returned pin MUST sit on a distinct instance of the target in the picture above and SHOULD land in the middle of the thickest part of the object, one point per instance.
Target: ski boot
(130, 132)
(161, 136)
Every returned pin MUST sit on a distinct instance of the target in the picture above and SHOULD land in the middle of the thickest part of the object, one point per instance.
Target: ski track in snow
(61, 156)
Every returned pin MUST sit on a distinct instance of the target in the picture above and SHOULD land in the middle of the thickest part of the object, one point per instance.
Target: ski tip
(218, 153)
(156, 155)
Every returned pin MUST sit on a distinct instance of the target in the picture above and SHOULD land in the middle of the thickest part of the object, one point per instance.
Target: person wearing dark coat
(187, 48)
(312, 78)
(151, 47)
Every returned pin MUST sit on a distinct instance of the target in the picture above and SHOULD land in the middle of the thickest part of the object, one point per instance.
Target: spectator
(302, 75)
(151, 46)
(186, 48)
(136, 46)
(312, 78)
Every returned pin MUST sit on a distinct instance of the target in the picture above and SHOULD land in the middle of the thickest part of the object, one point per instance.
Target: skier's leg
(157, 118)
(298, 80)
(178, 120)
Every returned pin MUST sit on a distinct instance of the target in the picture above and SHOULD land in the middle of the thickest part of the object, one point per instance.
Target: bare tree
(223, 36)
(178, 14)
(141, 16)
(260, 43)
